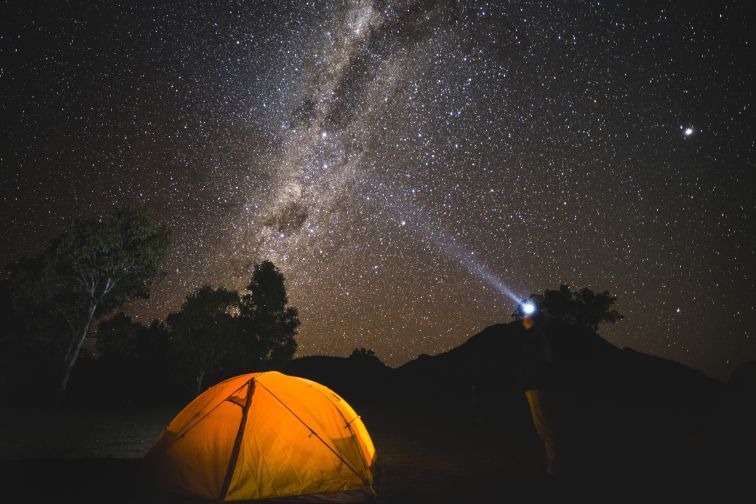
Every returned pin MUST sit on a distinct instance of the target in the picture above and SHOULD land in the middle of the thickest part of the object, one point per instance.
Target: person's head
(532, 314)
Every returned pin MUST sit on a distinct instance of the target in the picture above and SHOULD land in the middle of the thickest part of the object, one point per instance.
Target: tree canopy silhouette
(365, 355)
(134, 358)
(216, 333)
(89, 270)
(205, 331)
(268, 325)
(117, 337)
(123, 340)
(584, 308)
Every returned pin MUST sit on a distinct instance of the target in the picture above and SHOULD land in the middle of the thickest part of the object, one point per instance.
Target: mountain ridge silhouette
(484, 369)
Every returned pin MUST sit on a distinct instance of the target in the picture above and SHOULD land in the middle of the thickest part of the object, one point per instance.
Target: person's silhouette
(536, 379)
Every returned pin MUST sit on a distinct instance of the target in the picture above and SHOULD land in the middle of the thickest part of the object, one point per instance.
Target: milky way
(405, 163)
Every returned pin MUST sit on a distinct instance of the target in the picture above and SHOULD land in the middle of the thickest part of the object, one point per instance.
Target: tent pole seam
(354, 437)
(237, 442)
(183, 432)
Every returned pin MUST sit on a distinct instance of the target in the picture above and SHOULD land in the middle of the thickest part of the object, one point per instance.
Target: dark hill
(653, 381)
(589, 369)
(484, 371)
(354, 379)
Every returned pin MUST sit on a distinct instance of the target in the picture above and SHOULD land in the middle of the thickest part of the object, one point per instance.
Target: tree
(28, 362)
(268, 326)
(117, 338)
(205, 331)
(34, 316)
(365, 355)
(134, 358)
(584, 308)
(362, 353)
(91, 269)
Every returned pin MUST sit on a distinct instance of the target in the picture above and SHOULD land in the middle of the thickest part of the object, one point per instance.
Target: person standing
(536, 378)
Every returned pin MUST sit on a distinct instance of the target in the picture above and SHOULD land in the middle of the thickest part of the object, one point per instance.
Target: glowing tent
(263, 436)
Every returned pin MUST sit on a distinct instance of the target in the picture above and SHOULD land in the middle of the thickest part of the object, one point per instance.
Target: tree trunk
(200, 378)
(72, 356)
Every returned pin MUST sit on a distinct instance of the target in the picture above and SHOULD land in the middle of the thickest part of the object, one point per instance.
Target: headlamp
(528, 308)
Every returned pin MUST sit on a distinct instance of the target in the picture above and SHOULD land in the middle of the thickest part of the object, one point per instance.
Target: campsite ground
(426, 455)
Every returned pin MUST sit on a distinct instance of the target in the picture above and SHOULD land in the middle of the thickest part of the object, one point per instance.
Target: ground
(425, 455)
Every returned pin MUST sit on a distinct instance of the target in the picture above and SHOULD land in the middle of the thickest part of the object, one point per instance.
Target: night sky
(406, 163)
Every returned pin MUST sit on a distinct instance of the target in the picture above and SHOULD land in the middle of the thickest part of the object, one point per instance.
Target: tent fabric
(264, 436)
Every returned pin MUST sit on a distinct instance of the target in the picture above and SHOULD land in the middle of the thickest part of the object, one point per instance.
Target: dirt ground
(424, 456)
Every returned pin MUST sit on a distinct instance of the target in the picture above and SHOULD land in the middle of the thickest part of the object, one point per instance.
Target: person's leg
(544, 426)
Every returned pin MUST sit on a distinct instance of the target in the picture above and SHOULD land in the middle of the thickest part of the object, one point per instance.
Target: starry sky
(408, 165)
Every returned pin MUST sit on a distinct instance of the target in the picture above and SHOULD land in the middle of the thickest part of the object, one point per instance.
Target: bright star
(688, 131)
(528, 308)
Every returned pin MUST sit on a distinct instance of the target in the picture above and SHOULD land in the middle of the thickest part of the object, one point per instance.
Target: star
(353, 133)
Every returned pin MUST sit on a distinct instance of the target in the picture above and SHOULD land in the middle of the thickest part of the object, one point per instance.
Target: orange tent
(262, 436)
